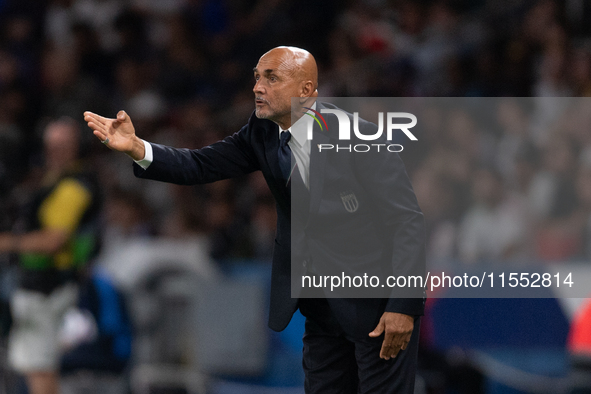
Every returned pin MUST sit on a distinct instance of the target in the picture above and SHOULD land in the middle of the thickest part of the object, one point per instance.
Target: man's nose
(258, 87)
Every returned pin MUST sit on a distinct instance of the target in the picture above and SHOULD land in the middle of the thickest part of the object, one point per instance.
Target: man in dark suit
(350, 345)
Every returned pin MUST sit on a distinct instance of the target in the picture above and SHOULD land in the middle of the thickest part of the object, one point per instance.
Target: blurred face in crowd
(61, 140)
(584, 187)
(487, 188)
(283, 73)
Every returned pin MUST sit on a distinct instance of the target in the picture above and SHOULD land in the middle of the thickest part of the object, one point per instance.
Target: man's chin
(262, 114)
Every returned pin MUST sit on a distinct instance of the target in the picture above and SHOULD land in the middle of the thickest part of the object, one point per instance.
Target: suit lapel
(271, 146)
(317, 165)
(317, 159)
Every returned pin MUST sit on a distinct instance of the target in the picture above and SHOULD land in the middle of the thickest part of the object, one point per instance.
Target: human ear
(307, 89)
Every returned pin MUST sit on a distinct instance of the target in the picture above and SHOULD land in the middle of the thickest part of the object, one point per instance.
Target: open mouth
(260, 101)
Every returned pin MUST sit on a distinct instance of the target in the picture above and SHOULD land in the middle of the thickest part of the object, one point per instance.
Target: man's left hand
(397, 329)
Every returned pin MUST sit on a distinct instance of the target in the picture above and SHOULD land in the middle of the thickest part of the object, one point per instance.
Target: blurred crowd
(518, 188)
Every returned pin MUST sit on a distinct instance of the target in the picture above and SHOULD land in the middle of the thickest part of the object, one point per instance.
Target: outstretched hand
(118, 134)
(397, 329)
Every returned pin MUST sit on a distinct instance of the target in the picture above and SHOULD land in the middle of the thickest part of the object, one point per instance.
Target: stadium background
(181, 69)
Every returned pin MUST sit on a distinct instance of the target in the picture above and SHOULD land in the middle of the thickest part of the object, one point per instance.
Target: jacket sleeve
(231, 157)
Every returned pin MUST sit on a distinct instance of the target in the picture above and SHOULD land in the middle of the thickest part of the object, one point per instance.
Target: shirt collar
(299, 130)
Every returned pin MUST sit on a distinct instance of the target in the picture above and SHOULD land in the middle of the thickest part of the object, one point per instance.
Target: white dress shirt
(148, 156)
(298, 143)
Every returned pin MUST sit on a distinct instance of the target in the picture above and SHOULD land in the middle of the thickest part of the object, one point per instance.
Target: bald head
(297, 61)
(281, 74)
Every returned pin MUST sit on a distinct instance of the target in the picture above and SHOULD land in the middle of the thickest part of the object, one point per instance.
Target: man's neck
(287, 122)
(284, 125)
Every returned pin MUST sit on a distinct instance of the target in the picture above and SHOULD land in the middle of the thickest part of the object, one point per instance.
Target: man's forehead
(273, 62)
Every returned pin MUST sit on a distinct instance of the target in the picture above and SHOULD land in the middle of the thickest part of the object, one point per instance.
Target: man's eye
(256, 77)
(273, 79)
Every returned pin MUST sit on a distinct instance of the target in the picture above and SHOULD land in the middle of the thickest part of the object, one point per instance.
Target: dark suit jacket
(388, 220)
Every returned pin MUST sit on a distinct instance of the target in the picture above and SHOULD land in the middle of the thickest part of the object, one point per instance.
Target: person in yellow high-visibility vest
(58, 234)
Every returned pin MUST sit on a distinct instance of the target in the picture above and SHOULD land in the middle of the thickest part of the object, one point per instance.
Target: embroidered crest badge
(350, 201)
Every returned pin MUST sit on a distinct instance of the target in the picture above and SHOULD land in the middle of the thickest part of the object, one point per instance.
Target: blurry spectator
(435, 197)
(464, 136)
(126, 218)
(98, 335)
(526, 163)
(14, 102)
(552, 70)
(262, 229)
(514, 124)
(101, 15)
(435, 49)
(12, 141)
(59, 19)
(133, 76)
(580, 72)
(95, 63)
(58, 234)
(183, 71)
(456, 168)
(67, 91)
(554, 200)
(369, 29)
(495, 227)
(184, 222)
(225, 228)
(553, 194)
(584, 211)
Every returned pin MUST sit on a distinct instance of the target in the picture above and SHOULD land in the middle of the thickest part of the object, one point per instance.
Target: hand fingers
(386, 350)
(100, 135)
(89, 116)
(122, 116)
(405, 343)
(390, 351)
(392, 348)
(398, 330)
(378, 330)
(98, 127)
(395, 349)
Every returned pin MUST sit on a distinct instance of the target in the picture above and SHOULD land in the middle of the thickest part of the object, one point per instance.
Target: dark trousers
(335, 363)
